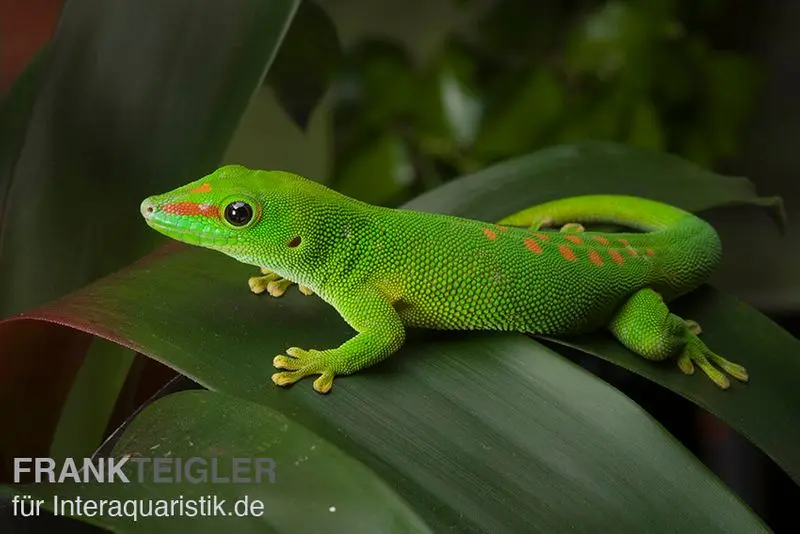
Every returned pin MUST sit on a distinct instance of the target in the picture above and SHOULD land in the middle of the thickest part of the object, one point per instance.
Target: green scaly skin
(387, 269)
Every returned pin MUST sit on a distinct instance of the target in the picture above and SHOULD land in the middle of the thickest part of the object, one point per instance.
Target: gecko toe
(697, 353)
(301, 363)
(286, 379)
(283, 362)
(324, 383)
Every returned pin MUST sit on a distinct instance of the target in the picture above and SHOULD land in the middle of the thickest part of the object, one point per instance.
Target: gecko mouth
(193, 237)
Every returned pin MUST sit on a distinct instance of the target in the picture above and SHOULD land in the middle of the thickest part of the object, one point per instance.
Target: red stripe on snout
(191, 208)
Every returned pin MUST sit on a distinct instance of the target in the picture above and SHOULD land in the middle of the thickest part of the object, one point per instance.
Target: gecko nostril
(147, 207)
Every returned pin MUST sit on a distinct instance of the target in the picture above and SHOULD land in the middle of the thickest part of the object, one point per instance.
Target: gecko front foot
(302, 363)
(274, 284)
(696, 352)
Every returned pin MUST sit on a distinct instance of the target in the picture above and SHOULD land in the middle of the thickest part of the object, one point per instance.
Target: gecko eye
(238, 213)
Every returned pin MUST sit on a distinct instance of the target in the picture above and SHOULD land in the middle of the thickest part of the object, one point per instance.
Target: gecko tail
(633, 212)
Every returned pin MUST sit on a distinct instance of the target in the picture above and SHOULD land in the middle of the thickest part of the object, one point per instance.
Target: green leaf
(85, 416)
(378, 172)
(524, 119)
(382, 80)
(482, 431)
(307, 63)
(732, 83)
(617, 37)
(314, 483)
(133, 96)
(121, 111)
(15, 111)
(586, 168)
(448, 108)
(645, 127)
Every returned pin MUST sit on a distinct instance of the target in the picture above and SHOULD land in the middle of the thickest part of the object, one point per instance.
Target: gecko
(384, 270)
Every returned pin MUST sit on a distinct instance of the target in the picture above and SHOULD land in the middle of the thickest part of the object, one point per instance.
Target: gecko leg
(645, 325)
(274, 284)
(538, 224)
(380, 333)
(548, 221)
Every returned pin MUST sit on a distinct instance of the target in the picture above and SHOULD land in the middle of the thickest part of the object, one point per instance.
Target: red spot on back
(501, 228)
(567, 253)
(543, 237)
(628, 247)
(616, 256)
(191, 208)
(650, 251)
(595, 257)
(532, 245)
(491, 235)
(600, 239)
(204, 188)
(575, 239)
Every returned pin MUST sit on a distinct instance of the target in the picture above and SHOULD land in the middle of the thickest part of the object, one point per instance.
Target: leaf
(615, 36)
(132, 96)
(522, 122)
(378, 172)
(85, 416)
(763, 409)
(307, 63)
(15, 112)
(645, 128)
(482, 432)
(586, 168)
(314, 482)
(381, 78)
(448, 106)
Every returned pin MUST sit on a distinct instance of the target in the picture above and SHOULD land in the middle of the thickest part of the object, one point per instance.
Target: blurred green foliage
(525, 75)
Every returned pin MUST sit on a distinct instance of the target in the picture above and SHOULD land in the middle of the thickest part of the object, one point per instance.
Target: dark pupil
(238, 213)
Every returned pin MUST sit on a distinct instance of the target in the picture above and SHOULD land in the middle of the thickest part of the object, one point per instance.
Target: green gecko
(385, 270)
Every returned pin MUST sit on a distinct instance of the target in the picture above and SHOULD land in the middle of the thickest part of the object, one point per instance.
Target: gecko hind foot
(693, 326)
(302, 363)
(645, 325)
(696, 352)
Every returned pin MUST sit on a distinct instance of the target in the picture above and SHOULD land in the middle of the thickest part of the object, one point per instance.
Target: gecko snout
(147, 208)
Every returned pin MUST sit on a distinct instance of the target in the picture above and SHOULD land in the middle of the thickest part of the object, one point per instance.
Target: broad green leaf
(133, 96)
(486, 401)
(120, 111)
(378, 172)
(382, 79)
(521, 122)
(308, 61)
(645, 129)
(448, 107)
(84, 418)
(15, 111)
(479, 431)
(590, 167)
(315, 487)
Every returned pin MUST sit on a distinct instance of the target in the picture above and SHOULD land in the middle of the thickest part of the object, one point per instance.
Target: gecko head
(234, 210)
